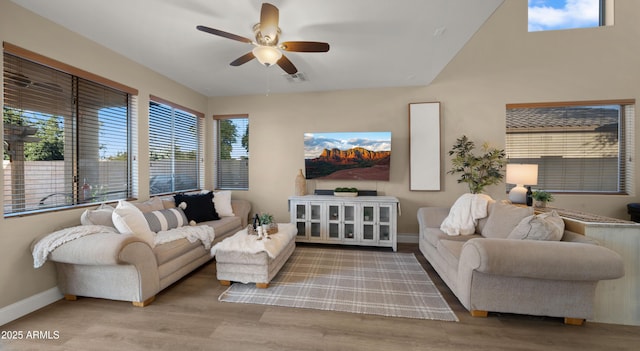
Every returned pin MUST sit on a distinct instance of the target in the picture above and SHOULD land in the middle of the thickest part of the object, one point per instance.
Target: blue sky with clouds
(563, 14)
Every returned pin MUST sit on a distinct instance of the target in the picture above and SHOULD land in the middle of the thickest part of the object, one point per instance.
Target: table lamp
(520, 175)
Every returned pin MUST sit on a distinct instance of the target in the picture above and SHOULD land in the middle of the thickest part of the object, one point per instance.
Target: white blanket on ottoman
(243, 242)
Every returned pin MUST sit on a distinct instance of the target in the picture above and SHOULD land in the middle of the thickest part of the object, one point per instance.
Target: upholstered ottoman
(245, 259)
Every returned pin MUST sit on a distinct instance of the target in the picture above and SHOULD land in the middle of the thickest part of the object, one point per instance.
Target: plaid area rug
(369, 282)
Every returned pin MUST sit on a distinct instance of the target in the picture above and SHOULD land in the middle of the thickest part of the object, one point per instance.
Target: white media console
(361, 220)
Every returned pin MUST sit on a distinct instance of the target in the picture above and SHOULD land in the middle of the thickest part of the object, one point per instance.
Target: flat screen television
(347, 155)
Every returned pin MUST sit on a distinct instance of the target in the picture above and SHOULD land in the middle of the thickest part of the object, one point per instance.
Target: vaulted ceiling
(373, 43)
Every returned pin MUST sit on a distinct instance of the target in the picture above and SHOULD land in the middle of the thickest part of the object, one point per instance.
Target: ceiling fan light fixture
(267, 55)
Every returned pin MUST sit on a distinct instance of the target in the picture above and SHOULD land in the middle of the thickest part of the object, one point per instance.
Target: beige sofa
(125, 267)
(490, 273)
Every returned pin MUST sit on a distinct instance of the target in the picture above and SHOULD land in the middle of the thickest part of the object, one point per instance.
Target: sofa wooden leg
(70, 297)
(262, 285)
(225, 282)
(144, 303)
(573, 321)
(478, 313)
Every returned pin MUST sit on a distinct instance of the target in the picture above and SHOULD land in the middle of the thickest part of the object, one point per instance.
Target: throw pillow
(166, 219)
(99, 216)
(128, 219)
(153, 204)
(222, 202)
(546, 226)
(197, 207)
(503, 218)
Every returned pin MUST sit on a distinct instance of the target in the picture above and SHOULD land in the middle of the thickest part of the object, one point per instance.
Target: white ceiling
(374, 43)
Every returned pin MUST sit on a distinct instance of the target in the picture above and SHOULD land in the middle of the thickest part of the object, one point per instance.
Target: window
(567, 14)
(66, 138)
(232, 152)
(578, 146)
(175, 136)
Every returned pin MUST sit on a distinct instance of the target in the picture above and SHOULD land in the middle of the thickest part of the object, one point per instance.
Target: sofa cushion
(173, 249)
(503, 218)
(166, 219)
(223, 225)
(450, 250)
(545, 226)
(197, 207)
(434, 235)
(128, 219)
(100, 216)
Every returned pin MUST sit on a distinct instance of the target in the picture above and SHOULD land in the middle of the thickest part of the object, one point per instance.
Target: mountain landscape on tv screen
(350, 159)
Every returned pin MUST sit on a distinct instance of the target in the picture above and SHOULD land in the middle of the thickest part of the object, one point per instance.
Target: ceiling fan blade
(286, 65)
(243, 59)
(223, 34)
(269, 18)
(305, 46)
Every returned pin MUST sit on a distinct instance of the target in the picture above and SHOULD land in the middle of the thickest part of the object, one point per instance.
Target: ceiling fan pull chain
(268, 81)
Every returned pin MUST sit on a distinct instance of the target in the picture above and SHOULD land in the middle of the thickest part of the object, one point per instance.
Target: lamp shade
(522, 174)
(267, 55)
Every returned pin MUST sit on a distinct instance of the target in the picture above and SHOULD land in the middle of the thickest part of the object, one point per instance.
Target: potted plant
(478, 171)
(268, 224)
(345, 192)
(542, 197)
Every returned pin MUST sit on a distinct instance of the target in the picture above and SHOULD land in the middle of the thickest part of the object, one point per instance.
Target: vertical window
(175, 136)
(578, 146)
(66, 139)
(232, 152)
(546, 15)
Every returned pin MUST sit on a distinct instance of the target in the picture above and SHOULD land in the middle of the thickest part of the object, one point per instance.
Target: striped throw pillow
(161, 220)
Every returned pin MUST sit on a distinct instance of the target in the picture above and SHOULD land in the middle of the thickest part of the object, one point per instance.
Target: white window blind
(66, 139)
(578, 147)
(232, 152)
(175, 138)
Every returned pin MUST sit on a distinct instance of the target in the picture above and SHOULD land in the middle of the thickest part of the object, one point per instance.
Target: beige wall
(501, 64)
(18, 278)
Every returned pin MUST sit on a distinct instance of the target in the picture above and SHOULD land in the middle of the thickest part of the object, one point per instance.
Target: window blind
(232, 152)
(59, 132)
(175, 137)
(578, 148)
(103, 147)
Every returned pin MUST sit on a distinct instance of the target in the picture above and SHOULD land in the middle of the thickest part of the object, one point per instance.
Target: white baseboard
(28, 305)
(407, 238)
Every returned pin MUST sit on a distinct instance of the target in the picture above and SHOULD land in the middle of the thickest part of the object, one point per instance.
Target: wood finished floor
(188, 316)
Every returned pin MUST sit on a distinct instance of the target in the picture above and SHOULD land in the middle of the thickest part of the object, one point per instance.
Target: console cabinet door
(368, 227)
(334, 221)
(308, 219)
(386, 214)
(299, 217)
(314, 223)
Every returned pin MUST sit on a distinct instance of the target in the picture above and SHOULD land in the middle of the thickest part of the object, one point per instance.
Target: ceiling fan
(267, 50)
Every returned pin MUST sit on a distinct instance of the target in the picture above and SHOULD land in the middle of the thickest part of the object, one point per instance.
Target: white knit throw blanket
(204, 233)
(44, 246)
(243, 242)
(464, 214)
